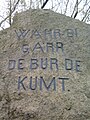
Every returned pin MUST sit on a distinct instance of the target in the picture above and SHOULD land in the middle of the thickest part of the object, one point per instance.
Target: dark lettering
(25, 49)
(59, 45)
(35, 86)
(78, 66)
(11, 64)
(63, 85)
(47, 86)
(70, 33)
(68, 64)
(22, 33)
(20, 82)
(49, 45)
(56, 33)
(20, 64)
(48, 34)
(34, 64)
(44, 63)
(36, 33)
(53, 61)
(38, 47)
(76, 32)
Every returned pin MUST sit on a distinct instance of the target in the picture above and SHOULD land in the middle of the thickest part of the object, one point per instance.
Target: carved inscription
(43, 63)
(46, 33)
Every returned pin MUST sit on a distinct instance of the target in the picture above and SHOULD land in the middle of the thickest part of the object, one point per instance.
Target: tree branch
(44, 4)
(66, 7)
(86, 14)
(10, 13)
(74, 9)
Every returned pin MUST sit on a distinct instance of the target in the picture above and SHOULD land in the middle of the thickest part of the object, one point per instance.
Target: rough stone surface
(73, 39)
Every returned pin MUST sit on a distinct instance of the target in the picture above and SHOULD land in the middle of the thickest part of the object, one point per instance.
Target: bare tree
(78, 9)
(11, 10)
(44, 4)
(86, 15)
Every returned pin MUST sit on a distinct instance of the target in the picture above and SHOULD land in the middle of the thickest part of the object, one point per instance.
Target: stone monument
(45, 68)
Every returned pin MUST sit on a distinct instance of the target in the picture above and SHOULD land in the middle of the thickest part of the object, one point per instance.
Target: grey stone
(44, 48)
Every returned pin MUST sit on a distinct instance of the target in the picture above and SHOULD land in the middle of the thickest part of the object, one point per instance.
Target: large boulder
(45, 68)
